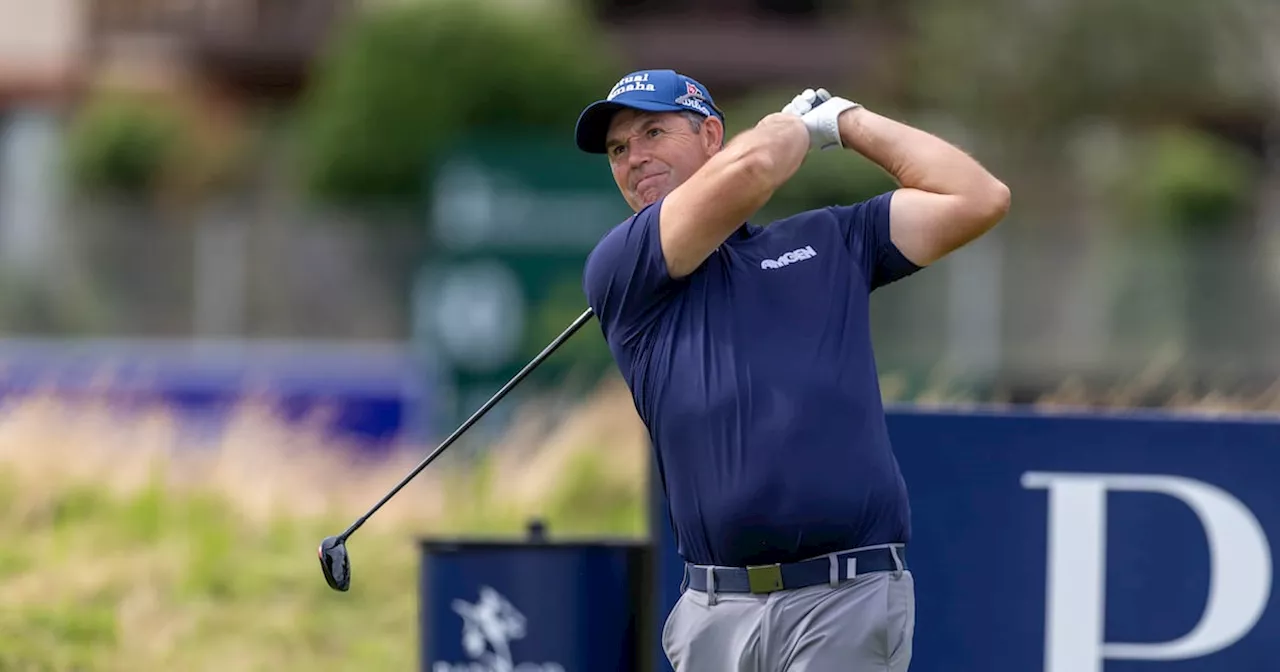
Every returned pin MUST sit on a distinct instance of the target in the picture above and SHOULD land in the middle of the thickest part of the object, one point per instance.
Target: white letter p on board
(1239, 574)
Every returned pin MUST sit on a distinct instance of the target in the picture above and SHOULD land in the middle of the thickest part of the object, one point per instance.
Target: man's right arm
(699, 215)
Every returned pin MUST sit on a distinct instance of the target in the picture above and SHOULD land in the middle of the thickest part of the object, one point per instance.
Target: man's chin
(649, 197)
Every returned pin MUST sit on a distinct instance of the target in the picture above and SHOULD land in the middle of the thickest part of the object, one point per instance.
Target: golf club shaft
(528, 368)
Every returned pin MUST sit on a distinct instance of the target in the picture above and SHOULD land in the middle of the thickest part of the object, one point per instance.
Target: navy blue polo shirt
(756, 379)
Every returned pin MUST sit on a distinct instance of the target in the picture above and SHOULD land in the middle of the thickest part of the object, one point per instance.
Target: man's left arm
(946, 199)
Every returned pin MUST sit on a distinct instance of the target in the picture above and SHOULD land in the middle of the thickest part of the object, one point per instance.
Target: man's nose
(637, 156)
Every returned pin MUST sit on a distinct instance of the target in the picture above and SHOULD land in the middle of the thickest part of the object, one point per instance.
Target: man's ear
(713, 133)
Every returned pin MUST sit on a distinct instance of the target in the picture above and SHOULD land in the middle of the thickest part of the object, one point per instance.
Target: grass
(131, 546)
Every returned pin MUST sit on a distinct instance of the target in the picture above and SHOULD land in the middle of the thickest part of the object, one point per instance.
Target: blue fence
(1083, 543)
(372, 394)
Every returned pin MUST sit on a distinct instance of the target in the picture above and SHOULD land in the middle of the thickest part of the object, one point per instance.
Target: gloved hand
(821, 113)
(806, 100)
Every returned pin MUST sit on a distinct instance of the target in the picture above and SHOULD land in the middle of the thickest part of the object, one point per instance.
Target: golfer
(748, 353)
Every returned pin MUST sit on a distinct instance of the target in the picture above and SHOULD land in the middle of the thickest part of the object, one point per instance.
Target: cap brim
(593, 123)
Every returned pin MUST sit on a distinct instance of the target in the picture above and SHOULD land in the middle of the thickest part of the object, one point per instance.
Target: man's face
(652, 153)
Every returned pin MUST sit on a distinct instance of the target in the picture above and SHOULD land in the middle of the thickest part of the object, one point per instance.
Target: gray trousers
(862, 625)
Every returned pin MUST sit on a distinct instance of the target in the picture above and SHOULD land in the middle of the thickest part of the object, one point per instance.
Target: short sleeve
(866, 231)
(625, 278)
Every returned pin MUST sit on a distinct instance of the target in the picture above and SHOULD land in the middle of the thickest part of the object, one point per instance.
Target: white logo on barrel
(488, 628)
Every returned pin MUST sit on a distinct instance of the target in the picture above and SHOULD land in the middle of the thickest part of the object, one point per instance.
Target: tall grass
(130, 544)
(1163, 383)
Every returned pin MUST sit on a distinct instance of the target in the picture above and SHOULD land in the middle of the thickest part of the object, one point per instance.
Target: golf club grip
(475, 417)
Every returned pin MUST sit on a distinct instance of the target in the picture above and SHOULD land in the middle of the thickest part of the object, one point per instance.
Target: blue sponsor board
(372, 394)
(1083, 543)
(534, 607)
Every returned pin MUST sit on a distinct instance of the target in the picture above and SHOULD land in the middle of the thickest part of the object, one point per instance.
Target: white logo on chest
(789, 258)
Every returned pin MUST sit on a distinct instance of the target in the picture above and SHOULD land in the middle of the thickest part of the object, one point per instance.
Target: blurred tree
(1038, 83)
(1193, 182)
(1039, 66)
(122, 145)
(1033, 77)
(138, 144)
(404, 80)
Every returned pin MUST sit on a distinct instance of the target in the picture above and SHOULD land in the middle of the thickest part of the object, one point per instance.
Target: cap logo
(630, 83)
(693, 99)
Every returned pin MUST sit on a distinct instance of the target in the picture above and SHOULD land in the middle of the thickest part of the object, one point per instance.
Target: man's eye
(653, 132)
(617, 150)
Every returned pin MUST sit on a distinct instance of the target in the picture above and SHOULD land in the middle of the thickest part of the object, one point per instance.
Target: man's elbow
(980, 208)
(991, 203)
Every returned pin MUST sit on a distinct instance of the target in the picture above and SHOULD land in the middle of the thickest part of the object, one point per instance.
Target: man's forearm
(701, 213)
(771, 153)
(743, 176)
(915, 158)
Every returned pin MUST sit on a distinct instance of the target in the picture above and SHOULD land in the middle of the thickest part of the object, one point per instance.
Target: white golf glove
(821, 113)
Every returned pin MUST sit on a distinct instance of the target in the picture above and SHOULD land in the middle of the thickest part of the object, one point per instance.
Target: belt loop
(897, 562)
(684, 579)
(711, 586)
(834, 574)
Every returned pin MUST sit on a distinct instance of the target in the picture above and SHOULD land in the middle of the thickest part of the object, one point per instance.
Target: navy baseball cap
(648, 90)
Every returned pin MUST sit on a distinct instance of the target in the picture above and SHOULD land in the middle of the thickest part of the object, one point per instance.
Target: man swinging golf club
(748, 353)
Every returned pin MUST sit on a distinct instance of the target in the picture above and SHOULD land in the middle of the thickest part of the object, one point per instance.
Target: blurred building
(254, 47)
(223, 56)
(737, 45)
(50, 49)
(40, 48)
(215, 53)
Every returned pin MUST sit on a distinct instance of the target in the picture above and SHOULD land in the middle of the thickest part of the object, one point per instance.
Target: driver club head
(333, 550)
(335, 564)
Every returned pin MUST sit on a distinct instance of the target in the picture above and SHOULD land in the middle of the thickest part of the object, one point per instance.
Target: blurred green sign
(511, 222)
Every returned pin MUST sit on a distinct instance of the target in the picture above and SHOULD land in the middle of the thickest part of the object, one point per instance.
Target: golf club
(333, 550)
